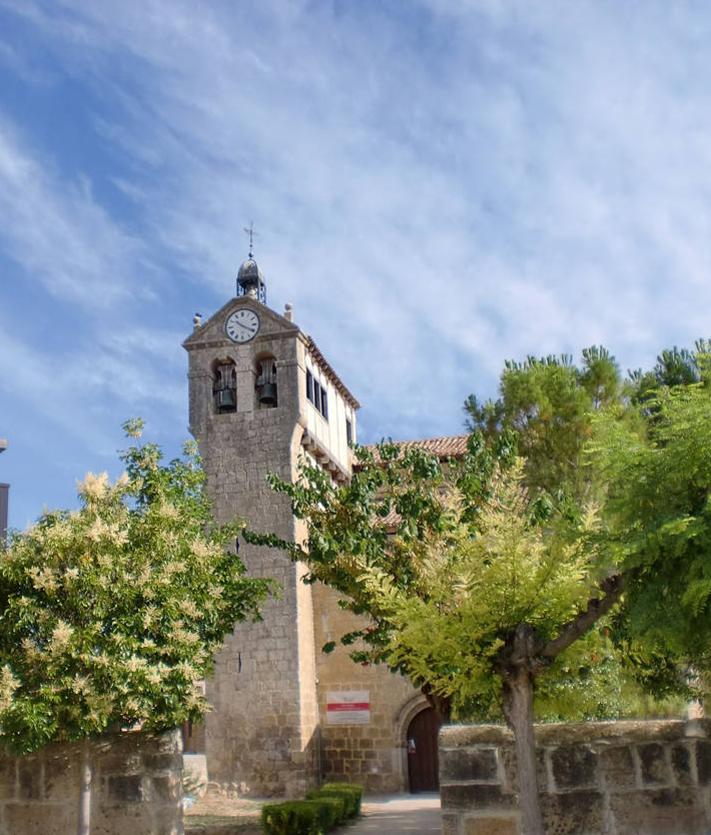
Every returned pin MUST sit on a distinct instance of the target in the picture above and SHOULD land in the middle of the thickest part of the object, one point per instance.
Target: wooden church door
(422, 755)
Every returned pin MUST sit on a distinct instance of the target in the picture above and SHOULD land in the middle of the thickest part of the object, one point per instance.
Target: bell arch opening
(265, 382)
(224, 385)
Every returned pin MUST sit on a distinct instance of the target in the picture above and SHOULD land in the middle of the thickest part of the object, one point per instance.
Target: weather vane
(250, 231)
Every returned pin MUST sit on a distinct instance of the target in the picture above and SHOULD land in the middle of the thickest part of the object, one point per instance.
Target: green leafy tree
(659, 516)
(110, 614)
(474, 588)
(484, 588)
(549, 403)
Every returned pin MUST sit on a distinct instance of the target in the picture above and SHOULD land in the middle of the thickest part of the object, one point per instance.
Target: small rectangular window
(309, 386)
(349, 432)
(324, 403)
(317, 396)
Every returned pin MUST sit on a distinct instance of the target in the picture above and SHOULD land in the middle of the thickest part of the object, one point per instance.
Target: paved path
(416, 814)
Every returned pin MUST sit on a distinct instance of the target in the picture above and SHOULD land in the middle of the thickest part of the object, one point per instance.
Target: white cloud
(59, 234)
(437, 186)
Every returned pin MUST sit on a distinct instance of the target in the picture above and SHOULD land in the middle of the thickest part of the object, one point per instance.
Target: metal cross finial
(250, 231)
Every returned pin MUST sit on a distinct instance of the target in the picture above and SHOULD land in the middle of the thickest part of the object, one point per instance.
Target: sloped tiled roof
(450, 446)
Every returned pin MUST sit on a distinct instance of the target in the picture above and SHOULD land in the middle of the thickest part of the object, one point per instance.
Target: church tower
(261, 396)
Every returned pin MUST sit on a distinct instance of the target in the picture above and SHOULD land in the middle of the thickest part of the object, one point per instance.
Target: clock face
(242, 325)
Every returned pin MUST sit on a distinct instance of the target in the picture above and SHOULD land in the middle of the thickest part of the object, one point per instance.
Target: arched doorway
(422, 754)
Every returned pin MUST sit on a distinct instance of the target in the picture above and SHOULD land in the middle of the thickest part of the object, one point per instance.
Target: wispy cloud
(437, 185)
(59, 234)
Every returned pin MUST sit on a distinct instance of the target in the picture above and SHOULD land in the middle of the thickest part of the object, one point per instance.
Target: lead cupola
(250, 281)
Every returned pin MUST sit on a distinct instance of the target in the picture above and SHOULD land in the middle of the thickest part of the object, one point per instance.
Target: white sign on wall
(348, 707)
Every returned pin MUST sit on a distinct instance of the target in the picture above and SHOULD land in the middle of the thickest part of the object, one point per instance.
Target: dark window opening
(317, 394)
(349, 432)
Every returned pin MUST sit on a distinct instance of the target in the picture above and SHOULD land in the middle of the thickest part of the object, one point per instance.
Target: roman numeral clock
(242, 325)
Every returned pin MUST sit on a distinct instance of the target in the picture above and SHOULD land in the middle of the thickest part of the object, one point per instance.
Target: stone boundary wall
(616, 778)
(136, 788)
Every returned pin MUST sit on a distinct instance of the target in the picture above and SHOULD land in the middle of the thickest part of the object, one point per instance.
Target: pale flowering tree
(110, 614)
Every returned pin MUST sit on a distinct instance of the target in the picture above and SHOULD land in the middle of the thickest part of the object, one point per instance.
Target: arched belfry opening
(265, 384)
(224, 386)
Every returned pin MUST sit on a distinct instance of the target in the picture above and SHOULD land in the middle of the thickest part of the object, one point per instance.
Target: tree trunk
(84, 816)
(518, 708)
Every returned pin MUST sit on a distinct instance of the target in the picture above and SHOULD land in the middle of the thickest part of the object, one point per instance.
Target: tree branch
(612, 587)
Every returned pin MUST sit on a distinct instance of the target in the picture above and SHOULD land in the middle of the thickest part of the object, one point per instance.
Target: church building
(285, 715)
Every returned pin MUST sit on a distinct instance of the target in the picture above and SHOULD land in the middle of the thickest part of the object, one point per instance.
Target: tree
(549, 403)
(110, 614)
(659, 515)
(474, 588)
(482, 588)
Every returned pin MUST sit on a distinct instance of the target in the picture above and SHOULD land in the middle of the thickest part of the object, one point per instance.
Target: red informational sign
(348, 707)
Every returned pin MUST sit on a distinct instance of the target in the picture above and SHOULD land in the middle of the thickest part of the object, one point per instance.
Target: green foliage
(110, 614)
(349, 793)
(324, 809)
(482, 580)
(548, 403)
(658, 488)
(384, 517)
(446, 561)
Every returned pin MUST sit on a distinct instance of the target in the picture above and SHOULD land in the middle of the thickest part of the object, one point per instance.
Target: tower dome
(250, 280)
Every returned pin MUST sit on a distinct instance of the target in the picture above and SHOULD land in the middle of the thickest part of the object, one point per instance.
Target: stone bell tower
(261, 396)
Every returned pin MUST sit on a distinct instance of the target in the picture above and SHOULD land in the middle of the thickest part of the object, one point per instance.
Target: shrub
(352, 792)
(323, 809)
(339, 805)
(299, 817)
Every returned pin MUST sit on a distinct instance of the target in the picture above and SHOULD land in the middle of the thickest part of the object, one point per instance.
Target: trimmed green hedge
(323, 809)
(351, 794)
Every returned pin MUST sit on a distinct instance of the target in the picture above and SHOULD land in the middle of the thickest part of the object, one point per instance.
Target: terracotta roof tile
(450, 446)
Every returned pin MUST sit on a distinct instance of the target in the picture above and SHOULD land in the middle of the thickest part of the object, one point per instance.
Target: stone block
(703, 762)
(162, 762)
(653, 764)
(127, 788)
(681, 765)
(458, 736)
(450, 825)
(47, 819)
(573, 813)
(167, 788)
(61, 777)
(618, 767)
(574, 767)
(473, 797)
(507, 758)
(29, 774)
(8, 778)
(496, 825)
(124, 820)
(472, 764)
(658, 812)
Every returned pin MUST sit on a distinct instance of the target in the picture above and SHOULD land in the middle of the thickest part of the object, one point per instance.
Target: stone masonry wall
(136, 788)
(616, 778)
(261, 736)
(373, 754)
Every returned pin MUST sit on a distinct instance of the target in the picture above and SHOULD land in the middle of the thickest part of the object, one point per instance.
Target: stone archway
(408, 713)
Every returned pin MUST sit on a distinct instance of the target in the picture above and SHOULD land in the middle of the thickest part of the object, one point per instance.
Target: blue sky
(437, 186)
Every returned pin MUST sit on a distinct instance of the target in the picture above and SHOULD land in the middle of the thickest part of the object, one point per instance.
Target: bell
(226, 399)
(268, 394)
